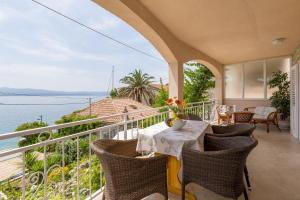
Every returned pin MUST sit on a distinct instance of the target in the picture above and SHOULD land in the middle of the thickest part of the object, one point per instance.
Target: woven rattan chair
(243, 129)
(127, 177)
(223, 114)
(235, 130)
(242, 117)
(265, 115)
(220, 167)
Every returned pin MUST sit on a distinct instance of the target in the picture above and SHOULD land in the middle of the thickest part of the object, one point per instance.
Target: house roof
(116, 106)
(157, 86)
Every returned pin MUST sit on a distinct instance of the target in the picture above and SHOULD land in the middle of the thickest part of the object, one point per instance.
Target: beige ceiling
(232, 31)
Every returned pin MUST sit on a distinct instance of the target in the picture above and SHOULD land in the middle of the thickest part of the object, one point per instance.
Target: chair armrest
(229, 134)
(120, 147)
(214, 142)
(271, 116)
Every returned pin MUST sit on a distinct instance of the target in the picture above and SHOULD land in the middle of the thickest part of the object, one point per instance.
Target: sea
(15, 110)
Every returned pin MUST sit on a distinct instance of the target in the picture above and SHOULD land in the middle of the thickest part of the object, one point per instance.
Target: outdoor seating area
(215, 161)
(212, 115)
(263, 181)
(254, 115)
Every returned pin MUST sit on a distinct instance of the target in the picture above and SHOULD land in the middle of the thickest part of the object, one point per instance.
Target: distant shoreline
(49, 95)
(5, 91)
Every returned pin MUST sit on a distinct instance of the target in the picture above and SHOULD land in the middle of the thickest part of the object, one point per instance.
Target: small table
(162, 139)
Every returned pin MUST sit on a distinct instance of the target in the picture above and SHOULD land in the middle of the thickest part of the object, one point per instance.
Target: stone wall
(296, 56)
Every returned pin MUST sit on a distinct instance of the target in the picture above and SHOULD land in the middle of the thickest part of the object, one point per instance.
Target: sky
(40, 49)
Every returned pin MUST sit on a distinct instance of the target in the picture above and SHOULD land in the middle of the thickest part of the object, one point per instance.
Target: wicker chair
(243, 129)
(265, 115)
(232, 131)
(220, 167)
(128, 177)
(242, 117)
(223, 113)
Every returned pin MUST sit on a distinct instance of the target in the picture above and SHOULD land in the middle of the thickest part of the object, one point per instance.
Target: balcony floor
(274, 169)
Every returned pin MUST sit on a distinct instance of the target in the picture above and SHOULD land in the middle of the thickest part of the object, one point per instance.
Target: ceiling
(232, 31)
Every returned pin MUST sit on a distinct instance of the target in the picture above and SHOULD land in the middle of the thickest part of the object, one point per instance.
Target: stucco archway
(218, 74)
(174, 51)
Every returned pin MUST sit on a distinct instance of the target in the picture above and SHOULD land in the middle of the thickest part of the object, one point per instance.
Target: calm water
(13, 115)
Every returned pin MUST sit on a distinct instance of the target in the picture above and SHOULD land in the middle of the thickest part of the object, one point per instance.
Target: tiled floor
(274, 169)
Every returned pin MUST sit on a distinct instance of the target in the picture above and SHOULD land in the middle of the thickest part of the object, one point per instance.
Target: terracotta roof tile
(109, 106)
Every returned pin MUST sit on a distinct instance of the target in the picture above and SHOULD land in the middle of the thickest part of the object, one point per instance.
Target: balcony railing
(61, 165)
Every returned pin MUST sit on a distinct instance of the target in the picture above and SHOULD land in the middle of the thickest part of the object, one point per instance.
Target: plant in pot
(176, 106)
(280, 98)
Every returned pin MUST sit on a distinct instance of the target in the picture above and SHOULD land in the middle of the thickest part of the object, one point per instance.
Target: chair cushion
(263, 112)
(261, 117)
(260, 110)
(223, 108)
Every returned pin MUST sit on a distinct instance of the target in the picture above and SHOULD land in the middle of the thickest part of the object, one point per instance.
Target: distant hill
(5, 91)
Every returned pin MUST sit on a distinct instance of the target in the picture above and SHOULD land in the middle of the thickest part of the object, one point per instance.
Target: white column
(176, 80)
(219, 89)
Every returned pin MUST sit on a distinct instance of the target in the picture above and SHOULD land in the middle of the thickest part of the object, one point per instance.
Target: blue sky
(40, 49)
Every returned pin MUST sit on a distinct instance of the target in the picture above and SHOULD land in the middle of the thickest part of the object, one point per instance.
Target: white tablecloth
(160, 138)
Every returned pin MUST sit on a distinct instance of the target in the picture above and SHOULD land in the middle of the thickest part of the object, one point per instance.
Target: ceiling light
(278, 41)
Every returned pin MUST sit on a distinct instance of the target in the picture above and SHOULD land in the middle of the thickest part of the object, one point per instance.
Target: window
(274, 65)
(254, 80)
(233, 81)
(249, 80)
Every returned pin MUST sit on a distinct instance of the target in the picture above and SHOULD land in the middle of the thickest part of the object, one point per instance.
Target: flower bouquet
(177, 107)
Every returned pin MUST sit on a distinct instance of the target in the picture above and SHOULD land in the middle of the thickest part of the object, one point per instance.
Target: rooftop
(117, 106)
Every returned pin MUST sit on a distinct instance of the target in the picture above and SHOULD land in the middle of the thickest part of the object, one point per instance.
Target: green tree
(114, 93)
(280, 99)
(79, 128)
(31, 139)
(162, 96)
(138, 86)
(197, 82)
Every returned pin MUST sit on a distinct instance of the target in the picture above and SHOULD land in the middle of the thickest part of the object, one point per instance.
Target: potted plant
(280, 99)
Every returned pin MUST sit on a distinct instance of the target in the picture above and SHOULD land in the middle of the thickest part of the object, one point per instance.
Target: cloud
(50, 77)
(52, 49)
(104, 24)
(2, 16)
(42, 50)
(61, 5)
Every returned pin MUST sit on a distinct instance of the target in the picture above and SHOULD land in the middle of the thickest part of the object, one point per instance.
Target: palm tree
(138, 86)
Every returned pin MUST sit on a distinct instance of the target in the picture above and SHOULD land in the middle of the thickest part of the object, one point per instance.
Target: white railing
(61, 165)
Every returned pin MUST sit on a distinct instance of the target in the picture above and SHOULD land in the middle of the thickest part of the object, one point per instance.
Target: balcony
(239, 41)
(64, 167)
(75, 173)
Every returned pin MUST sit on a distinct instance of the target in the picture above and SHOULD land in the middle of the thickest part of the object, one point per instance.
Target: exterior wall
(246, 103)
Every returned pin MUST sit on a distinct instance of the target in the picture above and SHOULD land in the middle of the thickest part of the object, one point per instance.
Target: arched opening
(202, 81)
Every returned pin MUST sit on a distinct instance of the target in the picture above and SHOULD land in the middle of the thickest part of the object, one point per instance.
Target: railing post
(203, 110)
(23, 176)
(125, 125)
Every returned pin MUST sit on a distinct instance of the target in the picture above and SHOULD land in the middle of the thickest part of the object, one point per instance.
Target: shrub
(280, 99)
(31, 139)
(76, 129)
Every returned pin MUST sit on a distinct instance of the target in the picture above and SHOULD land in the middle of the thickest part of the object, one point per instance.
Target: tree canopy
(161, 97)
(30, 139)
(197, 82)
(138, 86)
